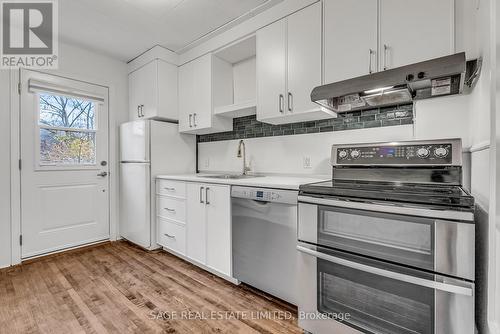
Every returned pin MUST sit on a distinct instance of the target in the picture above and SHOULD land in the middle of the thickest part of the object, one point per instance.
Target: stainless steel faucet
(242, 153)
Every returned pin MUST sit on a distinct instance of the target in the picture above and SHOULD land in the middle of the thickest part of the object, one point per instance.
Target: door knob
(103, 174)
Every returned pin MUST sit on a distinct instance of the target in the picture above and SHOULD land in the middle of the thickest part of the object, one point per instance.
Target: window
(67, 130)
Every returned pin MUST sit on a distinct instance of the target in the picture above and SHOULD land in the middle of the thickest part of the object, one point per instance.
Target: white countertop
(262, 181)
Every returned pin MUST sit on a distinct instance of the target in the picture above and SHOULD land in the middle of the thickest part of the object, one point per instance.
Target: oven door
(346, 294)
(409, 236)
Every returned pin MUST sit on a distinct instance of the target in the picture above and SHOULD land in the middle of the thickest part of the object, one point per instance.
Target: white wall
(285, 154)
(5, 248)
(80, 64)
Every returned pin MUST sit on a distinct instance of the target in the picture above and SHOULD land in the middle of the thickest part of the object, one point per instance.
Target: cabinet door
(134, 95)
(196, 222)
(202, 95)
(186, 100)
(414, 31)
(218, 205)
(167, 91)
(350, 39)
(304, 58)
(271, 70)
(147, 86)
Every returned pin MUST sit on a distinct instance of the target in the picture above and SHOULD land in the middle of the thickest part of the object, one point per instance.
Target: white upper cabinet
(350, 36)
(413, 31)
(288, 68)
(366, 36)
(304, 59)
(196, 98)
(271, 70)
(153, 91)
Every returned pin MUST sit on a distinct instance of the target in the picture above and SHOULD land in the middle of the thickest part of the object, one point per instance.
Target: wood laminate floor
(119, 288)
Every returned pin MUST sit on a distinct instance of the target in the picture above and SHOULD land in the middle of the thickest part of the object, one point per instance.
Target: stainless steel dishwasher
(265, 239)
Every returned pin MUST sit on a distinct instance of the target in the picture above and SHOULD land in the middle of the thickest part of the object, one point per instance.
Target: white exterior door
(64, 154)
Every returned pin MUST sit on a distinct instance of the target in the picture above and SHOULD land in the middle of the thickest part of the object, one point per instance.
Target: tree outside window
(67, 130)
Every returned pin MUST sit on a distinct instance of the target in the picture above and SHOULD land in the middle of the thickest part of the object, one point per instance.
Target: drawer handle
(169, 236)
(169, 189)
(169, 210)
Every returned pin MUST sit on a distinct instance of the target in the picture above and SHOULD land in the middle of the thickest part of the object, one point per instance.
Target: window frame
(38, 127)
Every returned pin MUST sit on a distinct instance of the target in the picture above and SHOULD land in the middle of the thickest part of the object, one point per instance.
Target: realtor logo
(29, 34)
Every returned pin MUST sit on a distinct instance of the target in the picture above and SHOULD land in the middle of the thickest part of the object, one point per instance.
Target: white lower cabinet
(172, 235)
(194, 220)
(196, 217)
(218, 228)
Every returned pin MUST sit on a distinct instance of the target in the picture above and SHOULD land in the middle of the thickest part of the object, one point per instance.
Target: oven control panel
(265, 194)
(406, 153)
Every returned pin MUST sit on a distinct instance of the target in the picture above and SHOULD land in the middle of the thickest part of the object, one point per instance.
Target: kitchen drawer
(172, 235)
(171, 188)
(171, 208)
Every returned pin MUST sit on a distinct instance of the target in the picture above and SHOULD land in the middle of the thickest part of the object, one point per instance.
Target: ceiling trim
(228, 25)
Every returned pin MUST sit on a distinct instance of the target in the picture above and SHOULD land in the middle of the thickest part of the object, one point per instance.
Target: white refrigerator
(148, 148)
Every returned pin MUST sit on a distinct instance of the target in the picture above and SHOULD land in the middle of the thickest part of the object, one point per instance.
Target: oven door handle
(390, 274)
(402, 210)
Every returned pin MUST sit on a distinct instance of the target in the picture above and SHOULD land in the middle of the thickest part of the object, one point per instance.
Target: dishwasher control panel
(265, 195)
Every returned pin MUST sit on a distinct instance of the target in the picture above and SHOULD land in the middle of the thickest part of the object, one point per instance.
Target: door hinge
(19, 88)
(20, 164)
(21, 240)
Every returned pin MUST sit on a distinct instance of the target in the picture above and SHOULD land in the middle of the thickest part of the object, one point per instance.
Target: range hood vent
(437, 77)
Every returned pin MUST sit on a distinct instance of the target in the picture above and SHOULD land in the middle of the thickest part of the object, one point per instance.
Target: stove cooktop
(451, 196)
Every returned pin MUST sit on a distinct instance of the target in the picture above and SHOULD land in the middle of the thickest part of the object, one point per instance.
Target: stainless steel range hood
(437, 77)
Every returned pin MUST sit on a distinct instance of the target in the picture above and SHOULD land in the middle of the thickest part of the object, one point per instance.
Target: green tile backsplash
(249, 127)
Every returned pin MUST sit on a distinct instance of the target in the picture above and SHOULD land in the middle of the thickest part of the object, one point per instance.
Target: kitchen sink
(231, 176)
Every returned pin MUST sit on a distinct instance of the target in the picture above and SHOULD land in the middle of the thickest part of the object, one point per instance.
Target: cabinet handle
(138, 111)
(169, 210)
(201, 194)
(194, 120)
(370, 61)
(290, 102)
(142, 110)
(386, 48)
(280, 103)
(190, 117)
(206, 196)
(169, 236)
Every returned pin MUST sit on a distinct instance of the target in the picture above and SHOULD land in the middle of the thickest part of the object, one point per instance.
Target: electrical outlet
(306, 162)
(206, 163)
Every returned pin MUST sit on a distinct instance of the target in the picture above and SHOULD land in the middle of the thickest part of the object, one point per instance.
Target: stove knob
(423, 152)
(343, 154)
(440, 152)
(355, 154)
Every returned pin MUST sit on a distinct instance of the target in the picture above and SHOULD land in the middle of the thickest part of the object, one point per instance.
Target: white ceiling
(124, 29)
